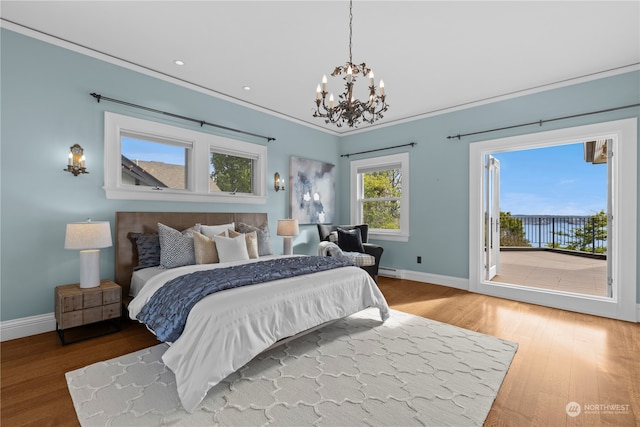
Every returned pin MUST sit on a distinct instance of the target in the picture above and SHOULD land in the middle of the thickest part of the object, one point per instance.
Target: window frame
(358, 167)
(199, 144)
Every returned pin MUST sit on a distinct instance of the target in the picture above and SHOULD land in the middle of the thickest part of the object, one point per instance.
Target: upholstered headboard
(147, 222)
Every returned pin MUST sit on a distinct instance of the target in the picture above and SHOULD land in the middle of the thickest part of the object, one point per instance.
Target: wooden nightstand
(76, 306)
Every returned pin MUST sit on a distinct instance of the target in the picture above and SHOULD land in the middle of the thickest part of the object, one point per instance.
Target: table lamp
(89, 237)
(287, 228)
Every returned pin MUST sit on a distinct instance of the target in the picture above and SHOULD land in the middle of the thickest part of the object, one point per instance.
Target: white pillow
(214, 230)
(252, 242)
(231, 248)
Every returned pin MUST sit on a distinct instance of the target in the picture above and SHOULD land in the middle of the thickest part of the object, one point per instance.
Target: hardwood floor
(562, 357)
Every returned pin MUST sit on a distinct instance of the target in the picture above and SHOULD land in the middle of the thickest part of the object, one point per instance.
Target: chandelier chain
(350, 29)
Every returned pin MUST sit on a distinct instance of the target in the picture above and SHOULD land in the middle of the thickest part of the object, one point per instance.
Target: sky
(136, 149)
(551, 181)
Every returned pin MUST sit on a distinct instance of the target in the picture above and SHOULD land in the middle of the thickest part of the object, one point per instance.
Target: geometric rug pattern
(408, 371)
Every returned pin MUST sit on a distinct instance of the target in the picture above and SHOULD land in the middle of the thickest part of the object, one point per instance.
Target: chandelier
(348, 109)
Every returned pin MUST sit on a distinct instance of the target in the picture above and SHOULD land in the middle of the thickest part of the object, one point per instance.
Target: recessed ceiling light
(178, 62)
(247, 88)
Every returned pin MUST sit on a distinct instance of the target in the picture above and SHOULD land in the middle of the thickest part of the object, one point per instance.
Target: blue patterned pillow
(148, 248)
(176, 248)
(264, 238)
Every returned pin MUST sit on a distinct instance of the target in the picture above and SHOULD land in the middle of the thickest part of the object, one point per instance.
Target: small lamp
(88, 237)
(287, 228)
(278, 184)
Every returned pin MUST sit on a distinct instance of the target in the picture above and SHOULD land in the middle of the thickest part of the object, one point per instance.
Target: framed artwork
(312, 189)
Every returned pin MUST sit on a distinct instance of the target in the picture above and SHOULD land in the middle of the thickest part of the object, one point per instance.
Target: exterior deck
(553, 270)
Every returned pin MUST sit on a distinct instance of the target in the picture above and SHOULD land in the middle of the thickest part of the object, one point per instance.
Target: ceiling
(433, 55)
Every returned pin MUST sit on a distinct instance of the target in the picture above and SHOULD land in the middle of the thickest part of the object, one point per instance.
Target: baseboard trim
(26, 326)
(418, 276)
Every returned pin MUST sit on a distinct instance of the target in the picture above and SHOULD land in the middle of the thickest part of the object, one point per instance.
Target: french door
(484, 212)
(492, 217)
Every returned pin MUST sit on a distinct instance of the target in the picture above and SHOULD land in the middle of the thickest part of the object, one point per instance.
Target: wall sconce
(278, 183)
(76, 160)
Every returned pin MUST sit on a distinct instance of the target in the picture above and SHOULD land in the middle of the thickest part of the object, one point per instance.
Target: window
(229, 173)
(380, 196)
(152, 161)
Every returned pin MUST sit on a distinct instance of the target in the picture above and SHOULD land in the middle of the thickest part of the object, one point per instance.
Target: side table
(76, 306)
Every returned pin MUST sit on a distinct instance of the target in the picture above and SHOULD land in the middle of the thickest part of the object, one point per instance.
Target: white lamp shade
(288, 227)
(88, 235)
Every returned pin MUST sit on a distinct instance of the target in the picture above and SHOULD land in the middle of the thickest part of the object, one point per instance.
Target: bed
(226, 329)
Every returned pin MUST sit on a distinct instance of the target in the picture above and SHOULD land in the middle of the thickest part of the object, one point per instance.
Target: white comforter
(227, 329)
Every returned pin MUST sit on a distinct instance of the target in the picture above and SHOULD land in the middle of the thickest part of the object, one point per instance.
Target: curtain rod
(379, 149)
(99, 97)
(540, 122)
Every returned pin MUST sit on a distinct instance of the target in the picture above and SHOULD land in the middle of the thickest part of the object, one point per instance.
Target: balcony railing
(578, 233)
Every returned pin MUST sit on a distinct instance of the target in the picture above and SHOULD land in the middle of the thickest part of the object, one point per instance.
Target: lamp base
(90, 268)
(287, 247)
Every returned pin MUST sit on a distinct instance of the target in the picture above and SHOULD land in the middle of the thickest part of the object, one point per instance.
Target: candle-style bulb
(331, 101)
(381, 87)
(324, 83)
(318, 94)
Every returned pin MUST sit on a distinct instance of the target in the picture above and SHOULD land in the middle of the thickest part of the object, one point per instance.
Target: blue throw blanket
(167, 310)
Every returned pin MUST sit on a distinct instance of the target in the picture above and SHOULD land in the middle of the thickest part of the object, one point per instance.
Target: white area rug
(357, 371)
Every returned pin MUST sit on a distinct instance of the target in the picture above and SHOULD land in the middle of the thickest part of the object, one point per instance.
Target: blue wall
(439, 167)
(46, 108)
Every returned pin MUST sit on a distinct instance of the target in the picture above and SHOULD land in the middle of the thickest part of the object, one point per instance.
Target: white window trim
(201, 144)
(356, 212)
(623, 134)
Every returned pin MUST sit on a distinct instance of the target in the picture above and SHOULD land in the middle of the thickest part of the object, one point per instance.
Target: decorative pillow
(232, 248)
(350, 240)
(264, 238)
(205, 249)
(176, 248)
(252, 242)
(215, 230)
(148, 247)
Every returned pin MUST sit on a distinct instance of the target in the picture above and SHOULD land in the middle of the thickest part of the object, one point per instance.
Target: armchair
(374, 250)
